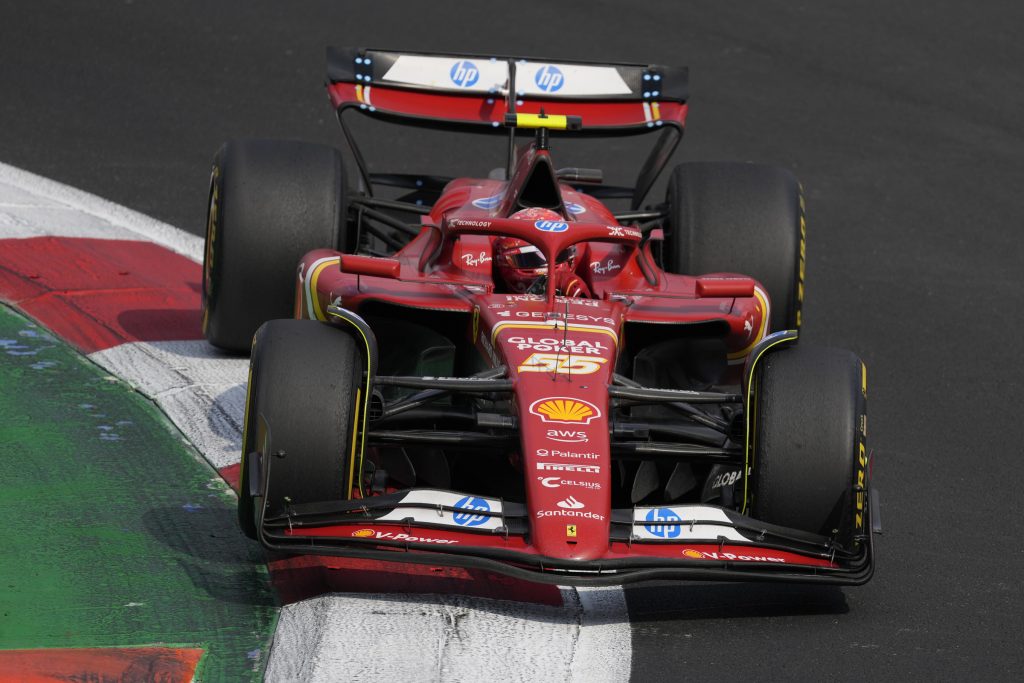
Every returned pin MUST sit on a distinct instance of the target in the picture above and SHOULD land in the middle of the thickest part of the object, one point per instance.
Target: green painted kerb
(113, 532)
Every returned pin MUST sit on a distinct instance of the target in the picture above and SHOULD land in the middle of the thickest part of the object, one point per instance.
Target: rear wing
(445, 90)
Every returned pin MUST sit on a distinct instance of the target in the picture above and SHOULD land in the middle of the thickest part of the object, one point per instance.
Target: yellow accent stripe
(750, 406)
(359, 93)
(352, 455)
(546, 325)
(736, 355)
(864, 379)
(655, 110)
(366, 399)
(311, 279)
(552, 121)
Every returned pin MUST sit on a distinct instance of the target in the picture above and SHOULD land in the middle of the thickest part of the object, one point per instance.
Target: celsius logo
(570, 503)
(558, 482)
(471, 503)
(551, 226)
(549, 79)
(464, 74)
(670, 530)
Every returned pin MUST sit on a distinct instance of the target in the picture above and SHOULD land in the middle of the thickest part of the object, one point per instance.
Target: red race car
(503, 372)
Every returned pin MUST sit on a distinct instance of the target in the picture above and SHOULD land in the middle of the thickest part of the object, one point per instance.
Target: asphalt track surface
(902, 121)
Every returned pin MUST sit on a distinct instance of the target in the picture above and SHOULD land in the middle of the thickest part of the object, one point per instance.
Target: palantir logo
(471, 503)
(464, 74)
(549, 78)
(670, 530)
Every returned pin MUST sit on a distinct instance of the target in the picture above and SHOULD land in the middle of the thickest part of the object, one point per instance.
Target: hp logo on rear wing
(464, 74)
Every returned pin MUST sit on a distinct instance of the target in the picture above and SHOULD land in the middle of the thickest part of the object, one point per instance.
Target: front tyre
(301, 409)
(809, 447)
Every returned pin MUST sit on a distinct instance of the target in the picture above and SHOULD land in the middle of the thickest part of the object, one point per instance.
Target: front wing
(692, 542)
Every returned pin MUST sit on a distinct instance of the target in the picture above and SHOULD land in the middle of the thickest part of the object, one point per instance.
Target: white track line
(37, 206)
(387, 637)
(200, 389)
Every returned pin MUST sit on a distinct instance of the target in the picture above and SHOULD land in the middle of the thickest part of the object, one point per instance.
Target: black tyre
(271, 202)
(809, 457)
(303, 382)
(727, 217)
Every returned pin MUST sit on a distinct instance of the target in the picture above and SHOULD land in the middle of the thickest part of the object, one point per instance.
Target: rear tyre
(730, 217)
(809, 442)
(271, 202)
(303, 385)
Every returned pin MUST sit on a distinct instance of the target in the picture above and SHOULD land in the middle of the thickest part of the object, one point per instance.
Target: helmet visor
(526, 258)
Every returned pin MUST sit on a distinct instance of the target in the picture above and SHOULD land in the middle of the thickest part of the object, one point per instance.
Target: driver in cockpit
(523, 268)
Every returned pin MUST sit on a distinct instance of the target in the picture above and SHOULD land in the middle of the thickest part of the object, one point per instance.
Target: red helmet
(520, 264)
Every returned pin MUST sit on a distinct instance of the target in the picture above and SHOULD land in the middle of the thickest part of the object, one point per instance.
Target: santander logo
(570, 503)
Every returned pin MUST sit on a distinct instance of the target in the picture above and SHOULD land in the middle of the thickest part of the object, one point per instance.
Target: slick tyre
(730, 217)
(809, 451)
(271, 202)
(301, 406)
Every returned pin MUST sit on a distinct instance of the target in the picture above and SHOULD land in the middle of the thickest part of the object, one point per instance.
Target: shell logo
(693, 554)
(363, 533)
(565, 410)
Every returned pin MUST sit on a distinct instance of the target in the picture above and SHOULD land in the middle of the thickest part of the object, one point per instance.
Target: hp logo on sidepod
(549, 78)
(464, 74)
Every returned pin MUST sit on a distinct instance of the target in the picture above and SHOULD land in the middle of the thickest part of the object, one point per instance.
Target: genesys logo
(407, 538)
(464, 74)
(693, 554)
(567, 436)
(570, 503)
(473, 504)
(565, 410)
(565, 467)
(558, 482)
(572, 455)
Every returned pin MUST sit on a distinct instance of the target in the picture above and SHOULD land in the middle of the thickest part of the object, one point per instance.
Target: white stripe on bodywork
(688, 527)
(431, 512)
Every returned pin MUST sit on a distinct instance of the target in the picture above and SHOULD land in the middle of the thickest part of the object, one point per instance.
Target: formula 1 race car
(524, 380)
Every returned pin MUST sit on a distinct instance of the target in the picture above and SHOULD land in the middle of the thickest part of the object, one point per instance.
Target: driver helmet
(520, 264)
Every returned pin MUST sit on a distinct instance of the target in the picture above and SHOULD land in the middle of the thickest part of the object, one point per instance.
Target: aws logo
(565, 410)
